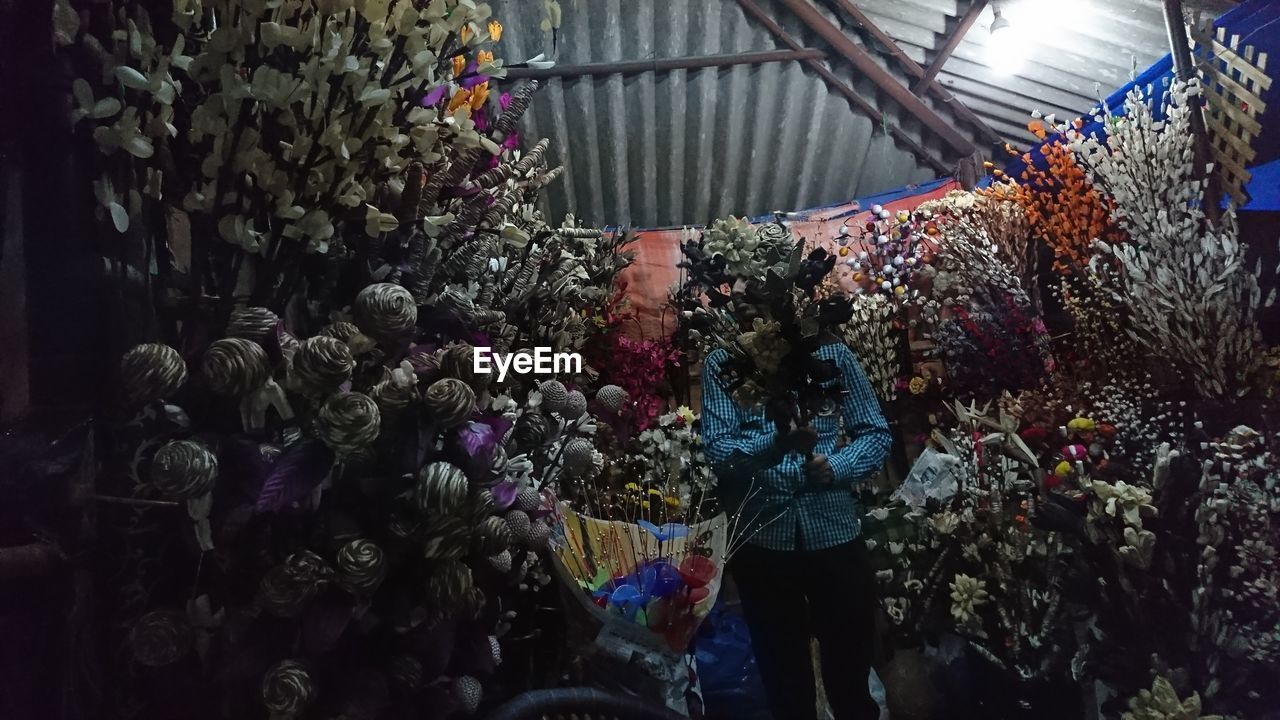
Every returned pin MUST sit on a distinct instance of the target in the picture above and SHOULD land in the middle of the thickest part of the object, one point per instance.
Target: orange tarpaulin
(657, 252)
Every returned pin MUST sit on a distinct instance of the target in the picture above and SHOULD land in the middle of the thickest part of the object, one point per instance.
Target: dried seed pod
(184, 469)
(385, 311)
(539, 535)
(449, 402)
(159, 638)
(579, 457)
(554, 395)
(320, 366)
(528, 500)
(151, 372)
(468, 691)
(519, 525)
(612, 398)
(501, 562)
(520, 100)
(235, 366)
(575, 405)
(361, 566)
(288, 690)
(348, 422)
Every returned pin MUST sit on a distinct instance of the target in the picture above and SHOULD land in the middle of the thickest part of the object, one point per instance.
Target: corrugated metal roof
(684, 146)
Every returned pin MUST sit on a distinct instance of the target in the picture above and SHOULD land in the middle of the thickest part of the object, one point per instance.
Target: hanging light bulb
(1006, 47)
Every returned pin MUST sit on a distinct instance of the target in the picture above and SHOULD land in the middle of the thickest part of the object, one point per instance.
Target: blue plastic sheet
(731, 687)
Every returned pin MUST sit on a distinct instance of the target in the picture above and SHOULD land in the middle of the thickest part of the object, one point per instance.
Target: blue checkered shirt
(781, 511)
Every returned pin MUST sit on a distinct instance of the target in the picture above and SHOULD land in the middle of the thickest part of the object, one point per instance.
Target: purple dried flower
(435, 95)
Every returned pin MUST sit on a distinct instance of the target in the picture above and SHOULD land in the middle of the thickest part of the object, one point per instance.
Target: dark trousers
(789, 597)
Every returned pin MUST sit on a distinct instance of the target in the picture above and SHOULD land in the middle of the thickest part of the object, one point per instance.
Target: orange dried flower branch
(1065, 211)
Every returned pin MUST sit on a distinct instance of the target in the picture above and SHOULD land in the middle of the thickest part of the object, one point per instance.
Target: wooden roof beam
(948, 47)
(838, 85)
(925, 81)
(865, 64)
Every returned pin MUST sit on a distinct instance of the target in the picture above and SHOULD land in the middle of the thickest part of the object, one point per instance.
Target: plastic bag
(731, 685)
(933, 477)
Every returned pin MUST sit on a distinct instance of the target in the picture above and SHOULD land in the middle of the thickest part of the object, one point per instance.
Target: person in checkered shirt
(804, 570)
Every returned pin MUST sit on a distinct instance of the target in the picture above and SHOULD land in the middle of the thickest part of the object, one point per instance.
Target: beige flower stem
(136, 502)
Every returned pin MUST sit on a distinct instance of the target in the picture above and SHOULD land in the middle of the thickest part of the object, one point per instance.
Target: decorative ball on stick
(341, 330)
(159, 638)
(385, 311)
(252, 323)
(287, 690)
(441, 489)
(235, 366)
(457, 360)
(348, 422)
(184, 469)
(361, 566)
(320, 366)
(554, 395)
(493, 536)
(151, 372)
(449, 402)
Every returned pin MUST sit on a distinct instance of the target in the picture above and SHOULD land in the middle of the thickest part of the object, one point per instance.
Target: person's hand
(801, 440)
(818, 470)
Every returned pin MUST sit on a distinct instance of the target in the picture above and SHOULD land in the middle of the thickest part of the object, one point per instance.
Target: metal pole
(1184, 69)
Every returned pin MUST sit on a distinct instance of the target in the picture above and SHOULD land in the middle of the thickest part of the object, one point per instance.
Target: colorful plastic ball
(876, 209)
(903, 216)
(897, 260)
(886, 286)
(883, 214)
(882, 239)
(862, 255)
(853, 263)
(844, 240)
(899, 290)
(858, 277)
(844, 251)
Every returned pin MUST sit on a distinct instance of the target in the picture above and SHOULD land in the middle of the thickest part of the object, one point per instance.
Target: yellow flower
(1063, 469)
(654, 492)
(460, 99)
(645, 504)
(918, 385)
(1081, 424)
(465, 33)
(673, 501)
(479, 95)
(632, 487)
(459, 65)
(495, 30)
(484, 56)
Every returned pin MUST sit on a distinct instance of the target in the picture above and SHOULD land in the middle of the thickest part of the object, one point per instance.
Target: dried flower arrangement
(331, 504)
(1193, 301)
